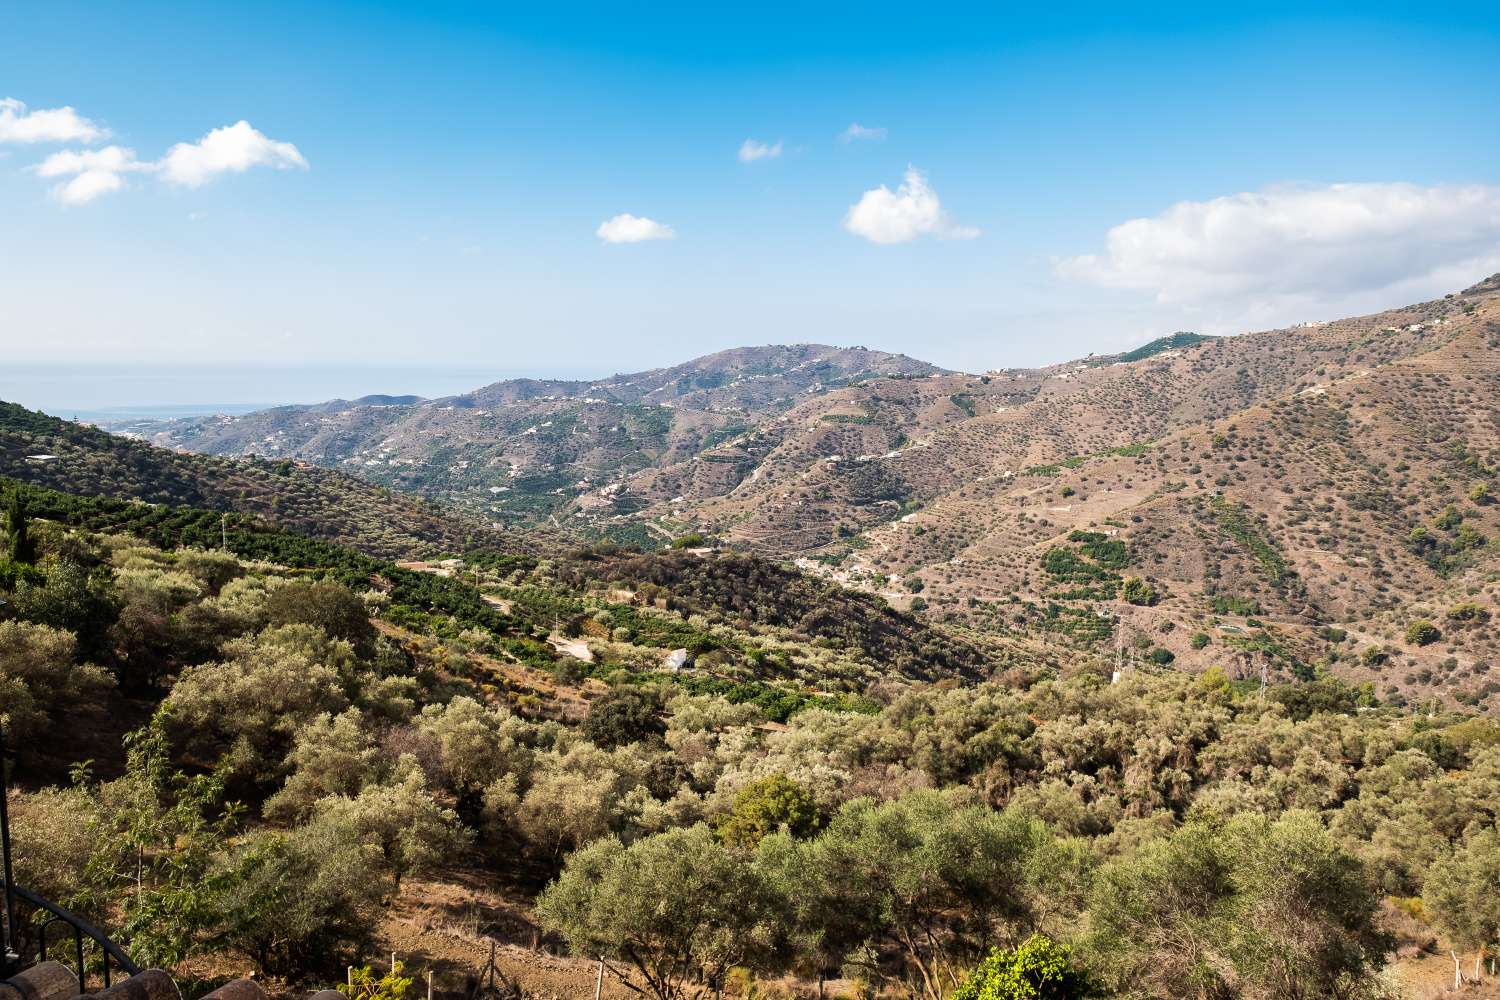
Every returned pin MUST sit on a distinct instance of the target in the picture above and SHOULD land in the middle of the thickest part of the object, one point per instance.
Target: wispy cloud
(751, 150)
(18, 125)
(627, 228)
(900, 216)
(856, 132)
(1258, 251)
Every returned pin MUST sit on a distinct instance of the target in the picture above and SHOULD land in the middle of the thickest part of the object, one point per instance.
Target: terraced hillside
(1316, 525)
(745, 628)
(519, 451)
(429, 760)
(1280, 502)
(850, 460)
(58, 454)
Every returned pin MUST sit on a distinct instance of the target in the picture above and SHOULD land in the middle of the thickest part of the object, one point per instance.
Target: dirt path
(578, 649)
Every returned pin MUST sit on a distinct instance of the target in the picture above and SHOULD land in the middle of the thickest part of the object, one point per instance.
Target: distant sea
(96, 392)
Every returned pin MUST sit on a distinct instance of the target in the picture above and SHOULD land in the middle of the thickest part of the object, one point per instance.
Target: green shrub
(1422, 633)
(1223, 604)
(1109, 552)
(1040, 969)
(363, 984)
(327, 605)
(773, 803)
(621, 717)
(18, 546)
(40, 683)
(1137, 591)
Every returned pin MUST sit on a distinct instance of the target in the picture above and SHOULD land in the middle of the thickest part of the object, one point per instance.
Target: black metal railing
(24, 942)
(41, 933)
(10, 957)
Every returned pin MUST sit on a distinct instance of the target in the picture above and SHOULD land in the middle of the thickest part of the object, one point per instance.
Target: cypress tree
(18, 546)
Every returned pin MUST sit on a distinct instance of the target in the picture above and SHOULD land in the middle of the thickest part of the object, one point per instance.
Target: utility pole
(1119, 655)
(224, 530)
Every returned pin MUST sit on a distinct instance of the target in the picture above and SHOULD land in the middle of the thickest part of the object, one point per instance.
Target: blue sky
(450, 168)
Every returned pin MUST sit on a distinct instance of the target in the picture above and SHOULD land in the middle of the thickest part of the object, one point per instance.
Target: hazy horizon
(104, 391)
(98, 392)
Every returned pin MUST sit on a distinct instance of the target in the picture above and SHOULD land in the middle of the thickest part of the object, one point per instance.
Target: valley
(742, 502)
(1266, 488)
(805, 615)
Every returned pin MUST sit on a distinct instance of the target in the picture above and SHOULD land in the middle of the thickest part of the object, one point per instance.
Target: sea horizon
(112, 392)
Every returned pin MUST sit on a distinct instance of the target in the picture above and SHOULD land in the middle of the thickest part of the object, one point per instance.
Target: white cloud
(46, 125)
(751, 150)
(627, 228)
(1269, 252)
(233, 148)
(93, 172)
(856, 131)
(900, 216)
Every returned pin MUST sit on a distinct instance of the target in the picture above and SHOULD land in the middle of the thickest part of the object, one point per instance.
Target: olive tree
(398, 819)
(676, 906)
(299, 903)
(1254, 908)
(253, 702)
(327, 605)
(1459, 893)
(624, 715)
(478, 745)
(929, 883)
(38, 678)
(332, 755)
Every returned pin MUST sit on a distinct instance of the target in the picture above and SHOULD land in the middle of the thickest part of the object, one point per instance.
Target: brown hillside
(1359, 496)
(865, 455)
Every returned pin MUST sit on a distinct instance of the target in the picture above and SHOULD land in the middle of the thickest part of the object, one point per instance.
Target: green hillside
(40, 449)
(1171, 342)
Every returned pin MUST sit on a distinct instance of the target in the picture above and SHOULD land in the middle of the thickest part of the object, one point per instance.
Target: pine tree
(18, 543)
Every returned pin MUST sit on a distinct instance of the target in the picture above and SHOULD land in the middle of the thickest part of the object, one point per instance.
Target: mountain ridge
(541, 441)
(1250, 483)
